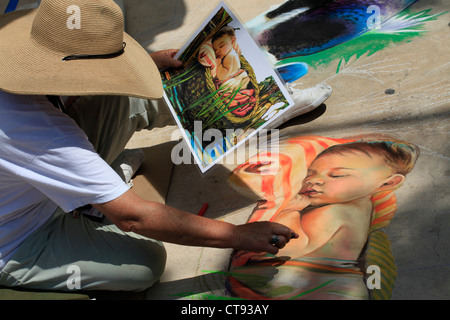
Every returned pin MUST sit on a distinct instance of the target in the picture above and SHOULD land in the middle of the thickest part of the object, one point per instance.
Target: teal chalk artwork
(402, 28)
(226, 92)
(333, 30)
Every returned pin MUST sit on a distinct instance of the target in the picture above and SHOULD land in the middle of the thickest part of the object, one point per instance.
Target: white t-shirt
(46, 161)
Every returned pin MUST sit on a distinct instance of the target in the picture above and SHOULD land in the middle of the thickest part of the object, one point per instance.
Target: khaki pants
(69, 253)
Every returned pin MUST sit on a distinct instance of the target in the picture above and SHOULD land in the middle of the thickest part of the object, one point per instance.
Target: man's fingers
(281, 235)
(264, 237)
(282, 230)
(278, 241)
(272, 249)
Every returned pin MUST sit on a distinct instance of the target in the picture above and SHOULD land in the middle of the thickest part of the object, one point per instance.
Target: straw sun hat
(74, 47)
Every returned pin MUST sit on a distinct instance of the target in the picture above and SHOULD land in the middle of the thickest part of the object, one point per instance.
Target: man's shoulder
(31, 125)
(16, 102)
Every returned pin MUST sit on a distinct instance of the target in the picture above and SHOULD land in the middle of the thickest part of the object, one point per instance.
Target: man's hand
(257, 237)
(164, 59)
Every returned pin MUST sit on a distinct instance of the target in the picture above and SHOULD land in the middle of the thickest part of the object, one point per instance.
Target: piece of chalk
(203, 210)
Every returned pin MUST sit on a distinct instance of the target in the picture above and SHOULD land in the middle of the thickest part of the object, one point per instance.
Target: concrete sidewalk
(417, 72)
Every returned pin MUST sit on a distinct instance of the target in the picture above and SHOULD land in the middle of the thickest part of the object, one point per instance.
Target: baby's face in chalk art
(340, 178)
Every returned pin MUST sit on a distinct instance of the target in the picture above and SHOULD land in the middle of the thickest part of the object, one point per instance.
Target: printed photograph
(226, 90)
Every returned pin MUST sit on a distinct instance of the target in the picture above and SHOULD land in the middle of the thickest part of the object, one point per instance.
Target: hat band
(96, 56)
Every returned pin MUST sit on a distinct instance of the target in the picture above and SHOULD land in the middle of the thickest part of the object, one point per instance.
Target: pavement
(401, 90)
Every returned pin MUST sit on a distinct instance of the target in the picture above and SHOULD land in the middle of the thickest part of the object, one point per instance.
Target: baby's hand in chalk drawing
(298, 203)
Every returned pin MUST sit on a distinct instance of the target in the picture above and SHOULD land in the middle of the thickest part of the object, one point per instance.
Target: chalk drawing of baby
(333, 210)
(332, 213)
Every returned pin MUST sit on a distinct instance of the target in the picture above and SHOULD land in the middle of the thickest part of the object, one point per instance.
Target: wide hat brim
(27, 67)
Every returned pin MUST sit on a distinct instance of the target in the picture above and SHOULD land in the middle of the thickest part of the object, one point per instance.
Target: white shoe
(127, 163)
(305, 101)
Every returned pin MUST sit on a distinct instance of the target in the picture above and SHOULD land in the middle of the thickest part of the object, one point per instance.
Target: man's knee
(155, 266)
(147, 270)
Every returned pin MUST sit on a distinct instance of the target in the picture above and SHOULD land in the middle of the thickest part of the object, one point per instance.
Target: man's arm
(161, 222)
